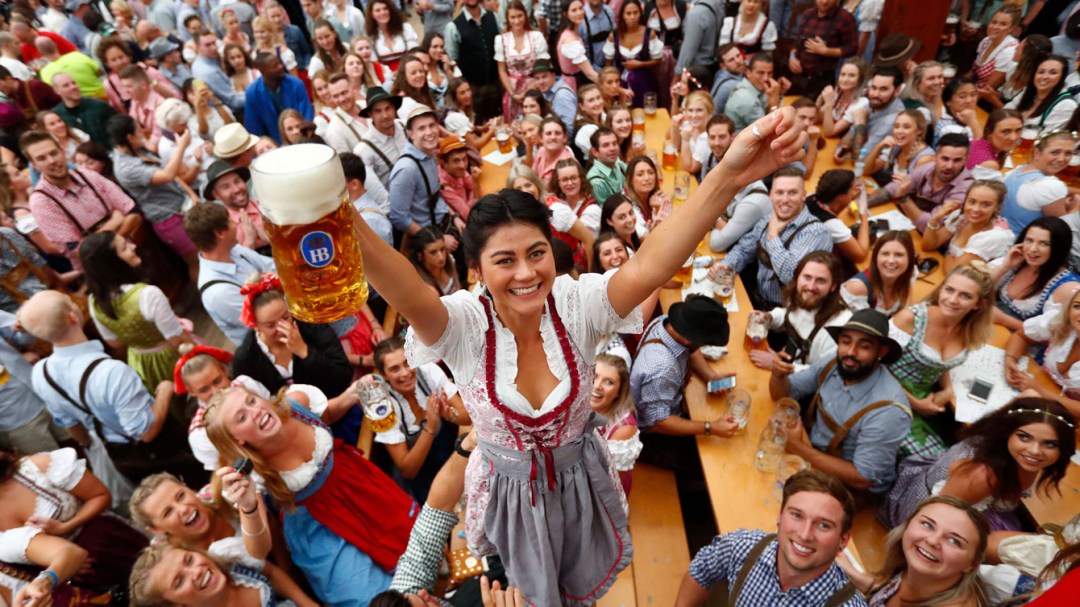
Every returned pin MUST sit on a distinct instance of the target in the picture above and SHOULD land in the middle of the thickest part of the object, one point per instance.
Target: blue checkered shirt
(784, 258)
(656, 379)
(722, 559)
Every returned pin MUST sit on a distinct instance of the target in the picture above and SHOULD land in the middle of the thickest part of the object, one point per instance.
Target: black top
(325, 367)
(476, 51)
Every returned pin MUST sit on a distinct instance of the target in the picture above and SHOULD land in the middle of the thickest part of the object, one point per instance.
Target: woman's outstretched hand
(752, 157)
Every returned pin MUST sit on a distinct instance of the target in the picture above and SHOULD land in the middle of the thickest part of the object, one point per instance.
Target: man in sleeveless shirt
(859, 414)
(795, 566)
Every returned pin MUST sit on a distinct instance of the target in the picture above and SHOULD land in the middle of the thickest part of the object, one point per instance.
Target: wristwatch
(708, 428)
(461, 450)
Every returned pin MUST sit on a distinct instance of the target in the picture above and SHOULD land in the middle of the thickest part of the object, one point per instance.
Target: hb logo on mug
(317, 249)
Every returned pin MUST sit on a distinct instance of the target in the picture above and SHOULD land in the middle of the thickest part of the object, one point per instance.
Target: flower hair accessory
(268, 282)
(1054, 133)
(217, 354)
(1068, 423)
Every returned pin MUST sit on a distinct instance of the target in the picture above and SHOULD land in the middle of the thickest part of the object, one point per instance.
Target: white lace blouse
(302, 475)
(585, 311)
(1039, 329)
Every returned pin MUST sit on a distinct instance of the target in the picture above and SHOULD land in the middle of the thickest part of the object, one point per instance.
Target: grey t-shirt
(157, 202)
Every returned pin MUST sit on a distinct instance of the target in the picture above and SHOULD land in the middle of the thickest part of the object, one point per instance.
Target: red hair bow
(217, 354)
(269, 282)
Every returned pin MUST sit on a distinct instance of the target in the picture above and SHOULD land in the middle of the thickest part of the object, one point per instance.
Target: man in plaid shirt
(825, 35)
(794, 567)
(70, 204)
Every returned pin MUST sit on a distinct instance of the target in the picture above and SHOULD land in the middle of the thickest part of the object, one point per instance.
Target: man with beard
(769, 253)
(919, 193)
(811, 303)
(228, 185)
(732, 66)
(874, 123)
(859, 413)
(794, 566)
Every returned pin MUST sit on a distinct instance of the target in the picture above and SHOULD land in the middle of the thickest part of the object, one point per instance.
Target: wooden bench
(661, 554)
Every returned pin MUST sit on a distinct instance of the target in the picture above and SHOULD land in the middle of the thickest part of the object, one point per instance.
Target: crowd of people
(170, 434)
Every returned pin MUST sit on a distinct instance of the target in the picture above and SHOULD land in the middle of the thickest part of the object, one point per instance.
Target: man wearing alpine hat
(859, 414)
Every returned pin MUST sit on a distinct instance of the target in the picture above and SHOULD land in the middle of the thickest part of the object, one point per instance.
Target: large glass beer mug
(308, 216)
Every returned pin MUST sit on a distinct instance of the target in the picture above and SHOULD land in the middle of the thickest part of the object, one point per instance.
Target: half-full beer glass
(308, 216)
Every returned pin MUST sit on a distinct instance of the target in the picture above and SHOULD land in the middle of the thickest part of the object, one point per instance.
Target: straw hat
(232, 140)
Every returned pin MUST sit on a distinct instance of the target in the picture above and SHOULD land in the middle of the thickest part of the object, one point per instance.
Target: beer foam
(298, 184)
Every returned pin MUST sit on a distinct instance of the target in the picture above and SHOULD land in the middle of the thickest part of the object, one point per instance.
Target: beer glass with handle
(308, 217)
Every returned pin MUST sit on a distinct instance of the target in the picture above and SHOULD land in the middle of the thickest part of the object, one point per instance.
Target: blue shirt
(263, 106)
(114, 393)
(723, 84)
(76, 31)
(873, 442)
(408, 196)
(19, 405)
(563, 102)
(722, 560)
(785, 255)
(656, 379)
(299, 45)
(223, 300)
(210, 72)
(182, 73)
(375, 217)
(592, 27)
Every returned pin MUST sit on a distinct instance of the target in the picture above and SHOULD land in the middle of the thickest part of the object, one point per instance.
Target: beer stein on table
(309, 219)
(771, 446)
(738, 409)
(650, 104)
(757, 332)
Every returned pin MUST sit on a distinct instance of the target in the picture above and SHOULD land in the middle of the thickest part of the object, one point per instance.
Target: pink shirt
(66, 215)
(256, 218)
(143, 113)
(117, 98)
(459, 193)
(981, 151)
(544, 168)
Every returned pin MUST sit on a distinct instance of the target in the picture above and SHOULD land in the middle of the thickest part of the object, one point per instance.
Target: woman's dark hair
(450, 97)
(119, 128)
(620, 24)
(538, 97)
(517, 5)
(564, 257)
(9, 463)
(601, 239)
(105, 271)
(556, 189)
(494, 211)
(902, 286)
(112, 42)
(834, 183)
(1036, 49)
(997, 116)
(330, 63)
(386, 346)
(395, 27)
(101, 154)
(227, 66)
(425, 44)
(990, 439)
(417, 244)
(1060, 246)
(389, 598)
(401, 87)
(642, 205)
(565, 12)
(608, 209)
(1027, 98)
(954, 85)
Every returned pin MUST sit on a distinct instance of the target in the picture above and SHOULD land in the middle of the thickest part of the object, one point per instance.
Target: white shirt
(586, 313)
(1039, 329)
(989, 244)
(391, 146)
(823, 346)
(343, 132)
(764, 32)
(1040, 192)
(434, 379)
(153, 305)
(17, 68)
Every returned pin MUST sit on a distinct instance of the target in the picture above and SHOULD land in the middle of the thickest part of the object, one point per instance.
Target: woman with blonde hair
(688, 130)
(332, 498)
(1056, 332)
(290, 125)
(972, 229)
(901, 152)
(937, 335)
(270, 40)
(931, 560)
(376, 71)
(610, 398)
(67, 136)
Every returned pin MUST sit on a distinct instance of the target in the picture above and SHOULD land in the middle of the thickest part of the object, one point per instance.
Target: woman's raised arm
(398, 283)
(751, 157)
